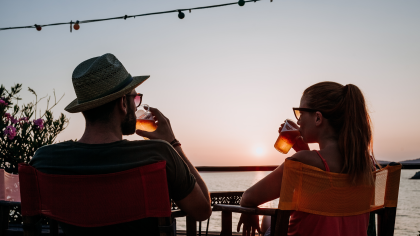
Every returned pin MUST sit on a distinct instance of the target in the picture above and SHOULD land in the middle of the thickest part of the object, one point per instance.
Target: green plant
(22, 133)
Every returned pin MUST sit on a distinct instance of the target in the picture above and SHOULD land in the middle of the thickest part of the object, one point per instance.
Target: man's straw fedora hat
(100, 80)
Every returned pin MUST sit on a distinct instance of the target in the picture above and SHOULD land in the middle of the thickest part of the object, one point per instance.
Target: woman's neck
(328, 143)
(327, 138)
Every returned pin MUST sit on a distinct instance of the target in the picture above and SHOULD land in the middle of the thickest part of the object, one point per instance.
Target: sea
(408, 209)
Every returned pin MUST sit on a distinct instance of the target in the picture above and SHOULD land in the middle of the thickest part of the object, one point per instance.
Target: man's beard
(128, 126)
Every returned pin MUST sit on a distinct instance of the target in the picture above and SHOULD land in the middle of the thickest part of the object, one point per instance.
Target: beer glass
(287, 137)
(144, 119)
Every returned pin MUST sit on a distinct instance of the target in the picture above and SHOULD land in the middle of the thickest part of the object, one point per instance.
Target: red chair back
(96, 200)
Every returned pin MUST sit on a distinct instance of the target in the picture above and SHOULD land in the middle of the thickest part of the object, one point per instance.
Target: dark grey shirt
(73, 158)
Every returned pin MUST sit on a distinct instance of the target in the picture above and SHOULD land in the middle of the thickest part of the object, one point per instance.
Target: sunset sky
(228, 77)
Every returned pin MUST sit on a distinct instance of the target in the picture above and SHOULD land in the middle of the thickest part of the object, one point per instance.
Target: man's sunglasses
(137, 99)
(297, 111)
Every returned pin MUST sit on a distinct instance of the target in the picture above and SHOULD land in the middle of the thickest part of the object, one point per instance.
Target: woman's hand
(299, 144)
(251, 223)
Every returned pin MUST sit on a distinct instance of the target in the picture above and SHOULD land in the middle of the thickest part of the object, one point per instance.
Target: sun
(259, 151)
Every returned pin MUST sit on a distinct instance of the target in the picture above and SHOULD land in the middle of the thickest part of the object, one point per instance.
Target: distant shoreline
(408, 164)
(236, 168)
(272, 167)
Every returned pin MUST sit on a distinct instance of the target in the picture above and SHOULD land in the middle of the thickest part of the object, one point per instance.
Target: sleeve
(181, 181)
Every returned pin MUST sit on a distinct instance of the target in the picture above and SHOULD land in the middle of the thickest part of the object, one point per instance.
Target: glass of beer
(287, 137)
(144, 119)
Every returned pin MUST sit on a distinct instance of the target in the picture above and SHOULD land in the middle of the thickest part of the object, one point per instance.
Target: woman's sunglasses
(297, 111)
(137, 99)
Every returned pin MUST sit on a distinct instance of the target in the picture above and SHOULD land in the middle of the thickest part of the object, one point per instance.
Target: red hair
(346, 110)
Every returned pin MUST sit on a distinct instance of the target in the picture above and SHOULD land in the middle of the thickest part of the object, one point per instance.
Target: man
(107, 98)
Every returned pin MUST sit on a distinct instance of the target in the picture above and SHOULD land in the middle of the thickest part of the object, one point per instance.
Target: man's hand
(164, 129)
(251, 223)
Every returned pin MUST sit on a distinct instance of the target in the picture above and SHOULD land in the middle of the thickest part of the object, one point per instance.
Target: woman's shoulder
(309, 158)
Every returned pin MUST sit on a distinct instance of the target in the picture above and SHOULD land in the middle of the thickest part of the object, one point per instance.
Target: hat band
(122, 85)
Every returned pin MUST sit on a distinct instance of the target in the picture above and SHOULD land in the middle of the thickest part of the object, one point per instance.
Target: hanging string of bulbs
(76, 25)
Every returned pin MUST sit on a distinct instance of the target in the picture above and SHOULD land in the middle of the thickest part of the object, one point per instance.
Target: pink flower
(10, 131)
(14, 121)
(11, 118)
(24, 119)
(3, 102)
(40, 123)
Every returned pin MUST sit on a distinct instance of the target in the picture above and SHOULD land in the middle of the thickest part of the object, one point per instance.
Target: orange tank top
(306, 224)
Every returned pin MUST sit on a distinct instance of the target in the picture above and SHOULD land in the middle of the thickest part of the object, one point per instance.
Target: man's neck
(101, 133)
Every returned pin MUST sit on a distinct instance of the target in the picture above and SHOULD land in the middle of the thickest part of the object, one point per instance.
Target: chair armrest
(378, 211)
(9, 203)
(249, 210)
(178, 213)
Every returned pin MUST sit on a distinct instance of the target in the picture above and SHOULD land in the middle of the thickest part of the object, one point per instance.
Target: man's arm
(194, 171)
(197, 204)
(200, 210)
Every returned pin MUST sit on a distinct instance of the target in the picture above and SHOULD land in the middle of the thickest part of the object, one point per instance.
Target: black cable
(127, 16)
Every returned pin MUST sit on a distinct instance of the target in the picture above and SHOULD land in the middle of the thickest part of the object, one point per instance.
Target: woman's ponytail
(355, 137)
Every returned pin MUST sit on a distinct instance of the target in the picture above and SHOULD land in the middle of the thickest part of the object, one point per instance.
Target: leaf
(32, 91)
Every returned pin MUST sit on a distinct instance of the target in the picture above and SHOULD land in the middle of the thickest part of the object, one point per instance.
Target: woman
(335, 117)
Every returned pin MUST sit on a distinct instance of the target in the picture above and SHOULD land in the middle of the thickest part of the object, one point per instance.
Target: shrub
(22, 132)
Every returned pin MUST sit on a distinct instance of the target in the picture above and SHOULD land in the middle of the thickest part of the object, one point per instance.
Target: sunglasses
(137, 99)
(297, 111)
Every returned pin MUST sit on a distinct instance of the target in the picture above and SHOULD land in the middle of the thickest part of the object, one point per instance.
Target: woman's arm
(265, 190)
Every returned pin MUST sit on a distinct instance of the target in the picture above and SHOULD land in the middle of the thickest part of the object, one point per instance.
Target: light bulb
(181, 15)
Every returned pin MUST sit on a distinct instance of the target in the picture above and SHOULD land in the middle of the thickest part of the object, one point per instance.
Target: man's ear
(122, 105)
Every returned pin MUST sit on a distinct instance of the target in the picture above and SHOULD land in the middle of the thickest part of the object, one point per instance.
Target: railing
(221, 197)
(217, 197)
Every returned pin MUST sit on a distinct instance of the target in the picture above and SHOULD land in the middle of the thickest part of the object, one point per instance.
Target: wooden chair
(96, 200)
(301, 192)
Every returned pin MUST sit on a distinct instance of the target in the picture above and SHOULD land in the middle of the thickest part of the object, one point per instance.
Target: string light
(181, 15)
(76, 26)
